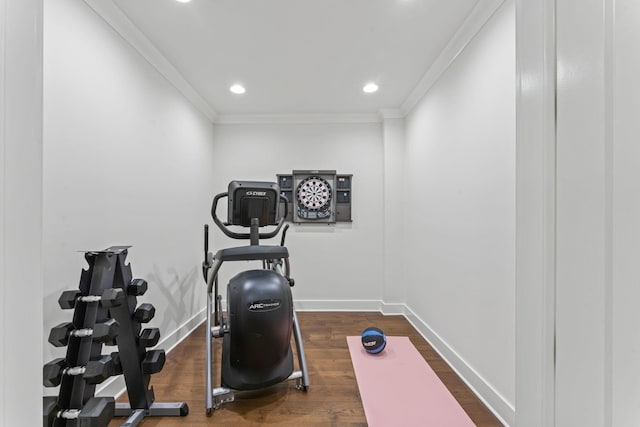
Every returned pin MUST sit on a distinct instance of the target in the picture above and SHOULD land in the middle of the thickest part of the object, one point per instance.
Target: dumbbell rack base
(164, 409)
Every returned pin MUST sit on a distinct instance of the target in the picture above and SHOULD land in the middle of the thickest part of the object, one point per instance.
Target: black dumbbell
(117, 363)
(101, 332)
(97, 412)
(137, 287)
(144, 313)
(99, 370)
(153, 362)
(109, 298)
(95, 372)
(150, 337)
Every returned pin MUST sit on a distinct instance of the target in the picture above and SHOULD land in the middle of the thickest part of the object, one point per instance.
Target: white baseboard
(116, 386)
(338, 305)
(496, 403)
(391, 309)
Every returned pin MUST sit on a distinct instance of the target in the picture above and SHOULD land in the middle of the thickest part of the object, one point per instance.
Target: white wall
(586, 199)
(583, 217)
(20, 212)
(331, 263)
(535, 213)
(598, 345)
(460, 212)
(626, 224)
(127, 161)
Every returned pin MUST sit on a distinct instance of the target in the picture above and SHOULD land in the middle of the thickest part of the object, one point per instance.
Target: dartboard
(314, 193)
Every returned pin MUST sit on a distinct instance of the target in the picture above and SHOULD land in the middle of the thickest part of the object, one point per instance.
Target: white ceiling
(300, 56)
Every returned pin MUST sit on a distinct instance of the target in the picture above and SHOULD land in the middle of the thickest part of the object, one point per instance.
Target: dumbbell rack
(108, 270)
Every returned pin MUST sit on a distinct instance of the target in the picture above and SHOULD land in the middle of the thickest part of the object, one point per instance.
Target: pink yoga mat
(398, 388)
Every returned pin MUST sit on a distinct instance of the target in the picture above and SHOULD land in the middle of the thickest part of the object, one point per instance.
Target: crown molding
(391, 113)
(296, 118)
(119, 21)
(474, 22)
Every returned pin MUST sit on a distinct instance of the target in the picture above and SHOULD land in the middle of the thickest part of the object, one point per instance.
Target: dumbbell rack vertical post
(75, 392)
(137, 363)
(80, 351)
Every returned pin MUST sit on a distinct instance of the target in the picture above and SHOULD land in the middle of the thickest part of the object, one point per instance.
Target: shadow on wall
(174, 290)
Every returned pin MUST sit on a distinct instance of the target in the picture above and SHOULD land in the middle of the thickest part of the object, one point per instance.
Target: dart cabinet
(317, 196)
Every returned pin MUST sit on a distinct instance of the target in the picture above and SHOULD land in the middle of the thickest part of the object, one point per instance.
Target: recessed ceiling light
(370, 87)
(183, 1)
(237, 89)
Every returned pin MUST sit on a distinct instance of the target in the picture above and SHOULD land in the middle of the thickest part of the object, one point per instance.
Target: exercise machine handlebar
(284, 234)
(206, 241)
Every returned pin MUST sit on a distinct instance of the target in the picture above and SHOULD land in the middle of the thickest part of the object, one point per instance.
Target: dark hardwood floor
(333, 398)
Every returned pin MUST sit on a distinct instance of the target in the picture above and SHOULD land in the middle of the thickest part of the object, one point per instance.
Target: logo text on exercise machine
(265, 305)
(256, 193)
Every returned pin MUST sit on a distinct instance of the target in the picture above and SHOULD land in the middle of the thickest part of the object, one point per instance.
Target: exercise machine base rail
(172, 409)
(226, 395)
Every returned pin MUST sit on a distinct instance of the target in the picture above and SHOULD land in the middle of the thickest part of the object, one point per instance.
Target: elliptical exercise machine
(256, 332)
